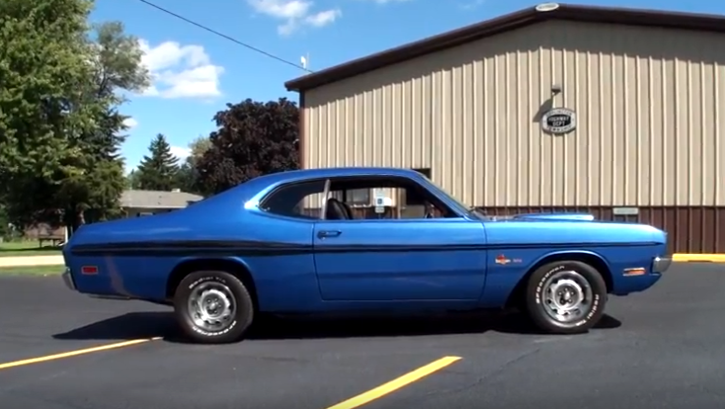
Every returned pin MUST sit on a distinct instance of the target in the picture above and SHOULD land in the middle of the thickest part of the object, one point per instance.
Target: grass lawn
(32, 270)
(27, 248)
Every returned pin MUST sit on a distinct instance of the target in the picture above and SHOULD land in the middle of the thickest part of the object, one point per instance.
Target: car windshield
(473, 211)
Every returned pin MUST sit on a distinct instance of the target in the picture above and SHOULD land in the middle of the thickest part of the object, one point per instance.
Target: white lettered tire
(566, 297)
(213, 307)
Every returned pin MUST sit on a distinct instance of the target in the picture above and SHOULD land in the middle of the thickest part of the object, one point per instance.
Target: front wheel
(213, 307)
(566, 297)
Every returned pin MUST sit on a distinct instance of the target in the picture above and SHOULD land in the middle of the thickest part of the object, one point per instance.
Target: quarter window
(299, 200)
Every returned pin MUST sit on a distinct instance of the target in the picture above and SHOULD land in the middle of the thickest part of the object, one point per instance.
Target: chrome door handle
(328, 233)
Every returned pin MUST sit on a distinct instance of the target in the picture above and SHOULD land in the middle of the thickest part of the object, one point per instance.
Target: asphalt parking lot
(664, 348)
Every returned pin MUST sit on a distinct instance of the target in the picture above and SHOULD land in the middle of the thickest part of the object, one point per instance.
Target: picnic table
(54, 238)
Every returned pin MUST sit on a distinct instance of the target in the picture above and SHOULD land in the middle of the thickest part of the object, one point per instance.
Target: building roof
(153, 199)
(522, 18)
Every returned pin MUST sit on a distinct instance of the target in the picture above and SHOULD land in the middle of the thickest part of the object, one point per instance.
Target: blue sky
(196, 72)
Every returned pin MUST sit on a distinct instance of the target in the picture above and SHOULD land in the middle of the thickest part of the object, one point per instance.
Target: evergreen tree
(132, 180)
(159, 169)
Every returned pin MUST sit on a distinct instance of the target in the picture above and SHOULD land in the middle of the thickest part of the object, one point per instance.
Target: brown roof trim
(591, 14)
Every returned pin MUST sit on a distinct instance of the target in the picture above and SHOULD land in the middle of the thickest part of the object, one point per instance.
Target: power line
(232, 39)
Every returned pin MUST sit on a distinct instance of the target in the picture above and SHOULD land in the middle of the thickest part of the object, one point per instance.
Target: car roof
(256, 188)
(302, 174)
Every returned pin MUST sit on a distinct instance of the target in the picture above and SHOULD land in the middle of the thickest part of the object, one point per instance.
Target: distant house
(147, 202)
(135, 203)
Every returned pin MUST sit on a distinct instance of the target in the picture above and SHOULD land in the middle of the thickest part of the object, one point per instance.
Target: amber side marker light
(637, 271)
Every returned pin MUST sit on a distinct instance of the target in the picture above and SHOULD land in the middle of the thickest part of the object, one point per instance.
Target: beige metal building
(618, 112)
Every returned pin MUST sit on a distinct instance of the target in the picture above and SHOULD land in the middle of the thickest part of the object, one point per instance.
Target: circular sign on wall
(559, 121)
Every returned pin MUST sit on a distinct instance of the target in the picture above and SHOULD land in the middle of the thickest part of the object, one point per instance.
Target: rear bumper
(68, 280)
(661, 264)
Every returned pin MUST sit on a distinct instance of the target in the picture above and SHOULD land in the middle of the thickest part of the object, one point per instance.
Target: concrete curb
(698, 258)
(32, 261)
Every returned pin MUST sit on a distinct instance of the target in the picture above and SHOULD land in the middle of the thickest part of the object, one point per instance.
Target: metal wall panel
(689, 229)
(371, 121)
(649, 103)
(694, 229)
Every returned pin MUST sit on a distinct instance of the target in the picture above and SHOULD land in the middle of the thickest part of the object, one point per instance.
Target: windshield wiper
(477, 209)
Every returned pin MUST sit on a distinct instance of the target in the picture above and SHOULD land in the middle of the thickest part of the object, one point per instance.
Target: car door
(399, 259)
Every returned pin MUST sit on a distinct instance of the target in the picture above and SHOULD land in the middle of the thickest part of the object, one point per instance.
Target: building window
(358, 197)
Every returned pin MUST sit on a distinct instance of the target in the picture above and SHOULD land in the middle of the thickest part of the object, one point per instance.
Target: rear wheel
(213, 307)
(566, 297)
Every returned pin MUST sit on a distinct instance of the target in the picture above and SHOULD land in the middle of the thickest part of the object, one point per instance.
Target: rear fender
(280, 282)
(233, 265)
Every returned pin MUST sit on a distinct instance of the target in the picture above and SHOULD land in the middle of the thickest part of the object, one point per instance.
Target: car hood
(563, 216)
(568, 228)
(554, 216)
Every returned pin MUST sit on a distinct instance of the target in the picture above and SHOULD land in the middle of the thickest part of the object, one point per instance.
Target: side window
(388, 198)
(300, 200)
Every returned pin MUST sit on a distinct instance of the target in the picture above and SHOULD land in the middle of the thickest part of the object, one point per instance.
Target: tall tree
(159, 169)
(254, 138)
(132, 180)
(197, 149)
(44, 70)
(116, 66)
(188, 176)
(86, 174)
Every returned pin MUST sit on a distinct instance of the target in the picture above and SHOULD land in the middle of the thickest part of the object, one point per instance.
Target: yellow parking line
(395, 384)
(77, 352)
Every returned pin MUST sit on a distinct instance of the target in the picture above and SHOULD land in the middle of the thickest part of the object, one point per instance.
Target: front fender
(505, 278)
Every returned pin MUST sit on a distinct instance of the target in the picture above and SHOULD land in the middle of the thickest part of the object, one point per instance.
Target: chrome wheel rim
(567, 296)
(212, 306)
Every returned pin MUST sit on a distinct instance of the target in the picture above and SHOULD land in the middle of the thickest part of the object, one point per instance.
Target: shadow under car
(162, 324)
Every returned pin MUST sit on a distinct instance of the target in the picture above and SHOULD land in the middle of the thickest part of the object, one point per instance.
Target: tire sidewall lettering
(215, 333)
(596, 299)
(592, 311)
(544, 278)
(210, 334)
(204, 279)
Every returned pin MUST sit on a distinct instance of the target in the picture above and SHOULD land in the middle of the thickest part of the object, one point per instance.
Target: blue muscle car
(292, 243)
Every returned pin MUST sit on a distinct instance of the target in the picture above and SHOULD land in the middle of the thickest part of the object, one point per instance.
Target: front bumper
(661, 264)
(68, 279)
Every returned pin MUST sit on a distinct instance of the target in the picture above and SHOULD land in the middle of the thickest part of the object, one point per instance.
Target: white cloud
(323, 18)
(130, 123)
(180, 71)
(180, 152)
(294, 14)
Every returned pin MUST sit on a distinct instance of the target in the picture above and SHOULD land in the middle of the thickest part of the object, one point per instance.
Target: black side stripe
(258, 248)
